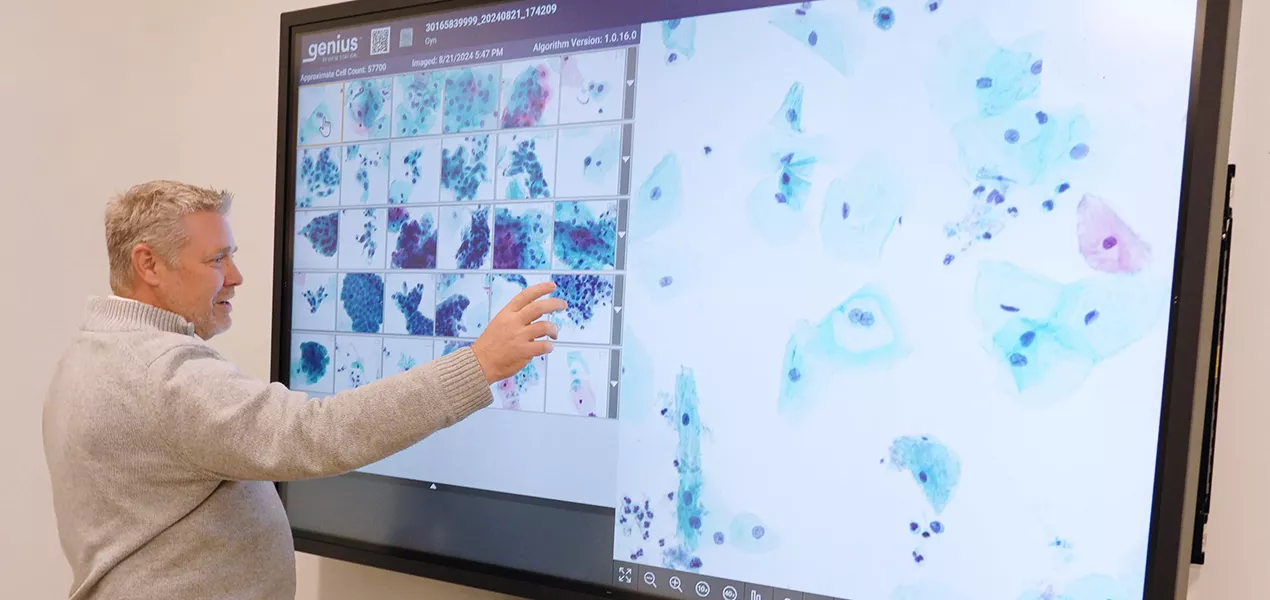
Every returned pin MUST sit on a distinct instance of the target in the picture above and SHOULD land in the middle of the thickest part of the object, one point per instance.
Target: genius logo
(339, 47)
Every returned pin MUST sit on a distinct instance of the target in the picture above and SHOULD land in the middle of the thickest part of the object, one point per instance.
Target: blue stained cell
(318, 178)
(689, 512)
(679, 36)
(1047, 205)
(520, 238)
(471, 99)
(323, 233)
(314, 362)
(775, 205)
(659, 200)
(417, 99)
(789, 117)
(811, 38)
(362, 299)
(1063, 187)
(584, 240)
(748, 533)
(1042, 118)
(1012, 136)
(984, 83)
(1036, 67)
(884, 18)
(1079, 151)
(416, 240)
(407, 301)
(474, 244)
(932, 5)
(465, 168)
(820, 32)
(861, 210)
(583, 294)
(935, 468)
(1033, 151)
(718, 537)
(1090, 316)
(937, 527)
(527, 178)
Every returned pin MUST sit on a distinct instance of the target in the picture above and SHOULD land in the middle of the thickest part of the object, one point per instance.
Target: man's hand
(511, 339)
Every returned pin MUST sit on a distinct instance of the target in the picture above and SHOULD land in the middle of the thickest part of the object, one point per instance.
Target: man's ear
(146, 264)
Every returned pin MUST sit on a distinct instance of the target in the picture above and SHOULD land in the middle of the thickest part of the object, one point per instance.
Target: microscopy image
(361, 303)
(679, 39)
(789, 157)
(368, 109)
(365, 174)
(593, 86)
(589, 161)
(316, 239)
(403, 354)
(414, 172)
(526, 165)
(462, 305)
(934, 472)
(317, 181)
(312, 363)
(589, 316)
(658, 201)
(1106, 242)
(358, 360)
(467, 168)
(505, 286)
(862, 208)
(363, 238)
(578, 382)
(471, 99)
(522, 236)
(585, 237)
(313, 301)
(526, 391)
(464, 238)
(447, 347)
(417, 104)
(319, 113)
(530, 94)
(412, 237)
(411, 304)
(820, 31)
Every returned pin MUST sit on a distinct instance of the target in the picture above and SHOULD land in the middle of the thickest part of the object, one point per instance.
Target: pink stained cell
(583, 398)
(509, 393)
(1106, 241)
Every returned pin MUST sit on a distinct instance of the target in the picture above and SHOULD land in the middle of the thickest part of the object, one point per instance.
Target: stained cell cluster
(465, 167)
(417, 97)
(790, 158)
(319, 177)
(512, 391)
(474, 242)
(315, 298)
(366, 237)
(367, 109)
(530, 92)
(406, 174)
(585, 240)
(1048, 335)
(408, 301)
(323, 233)
(314, 361)
(521, 236)
(583, 294)
(362, 298)
(523, 168)
(416, 246)
(471, 99)
(368, 164)
(462, 305)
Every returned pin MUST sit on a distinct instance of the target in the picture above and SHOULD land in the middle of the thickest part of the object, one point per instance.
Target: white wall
(160, 88)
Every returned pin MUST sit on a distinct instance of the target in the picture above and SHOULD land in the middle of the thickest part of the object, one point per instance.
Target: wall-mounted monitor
(867, 299)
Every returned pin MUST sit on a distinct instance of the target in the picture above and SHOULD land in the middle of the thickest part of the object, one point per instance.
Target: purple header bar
(390, 43)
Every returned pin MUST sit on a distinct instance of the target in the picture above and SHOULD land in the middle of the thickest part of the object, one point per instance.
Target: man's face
(202, 282)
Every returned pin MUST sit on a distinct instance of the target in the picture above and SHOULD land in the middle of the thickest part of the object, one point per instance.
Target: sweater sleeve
(235, 427)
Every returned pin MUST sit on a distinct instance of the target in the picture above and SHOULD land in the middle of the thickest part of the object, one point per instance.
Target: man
(161, 451)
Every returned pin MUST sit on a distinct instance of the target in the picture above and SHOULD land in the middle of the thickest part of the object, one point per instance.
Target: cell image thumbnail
(589, 316)
(530, 94)
(313, 363)
(1048, 336)
(363, 238)
(411, 304)
(679, 38)
(863, 331)
(525, 391)
(820, 31)
(861, 210)
(464, 238)
(401, 355)
(414, 172)
(317, 239)
(1106, 242)
(319, 114)
(463, 308)
(467, 168)
(313, 301)
(585, 236)
(444, 348)
(317, 181)
(578, 382)
(368, 109)
(412, 237)
(358, 361)
(365, 171)
(526, 165)
(471, 99)
(659, 199)
(505, 286)
(593, 86)
(522, 236)
(361, 303)
(589, 162)
(417, 99)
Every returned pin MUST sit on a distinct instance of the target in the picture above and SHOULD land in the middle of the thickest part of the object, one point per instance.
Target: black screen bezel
(1190, 323)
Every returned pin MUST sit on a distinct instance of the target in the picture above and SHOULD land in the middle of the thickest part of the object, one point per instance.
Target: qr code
(380, 38)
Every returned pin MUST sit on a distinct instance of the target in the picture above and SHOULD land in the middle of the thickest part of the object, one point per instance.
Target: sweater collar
(115, 314)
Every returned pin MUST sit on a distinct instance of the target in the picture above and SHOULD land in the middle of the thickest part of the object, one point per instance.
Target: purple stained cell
(1109, 242)
(1036, 67)
(1079, 151)
(1012, 136)
(983, 83)
(846, 210)
(811, 38)
(1091, 316)
(1042, 118)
